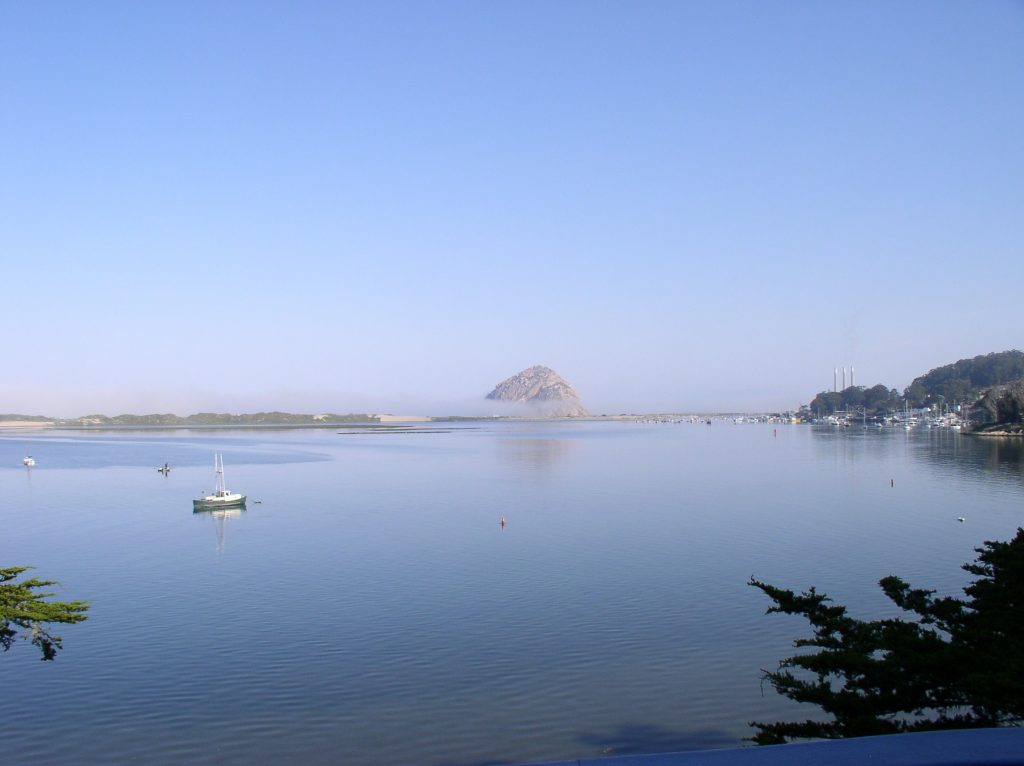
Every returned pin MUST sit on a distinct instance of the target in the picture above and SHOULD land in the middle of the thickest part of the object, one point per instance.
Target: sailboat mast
(218, 467)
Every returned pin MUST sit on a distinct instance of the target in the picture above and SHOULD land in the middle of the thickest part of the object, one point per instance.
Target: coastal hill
(1000, 411)
(966, 379)
(543, 390)
(983, 379)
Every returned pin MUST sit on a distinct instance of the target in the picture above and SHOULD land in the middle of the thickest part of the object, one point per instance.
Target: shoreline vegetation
(983, 395)
(951, 388)
(330, 420)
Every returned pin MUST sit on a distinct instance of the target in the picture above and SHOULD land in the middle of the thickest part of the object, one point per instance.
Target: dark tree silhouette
(959, 663)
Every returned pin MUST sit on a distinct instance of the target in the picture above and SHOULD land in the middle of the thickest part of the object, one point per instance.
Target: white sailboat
(221, 498)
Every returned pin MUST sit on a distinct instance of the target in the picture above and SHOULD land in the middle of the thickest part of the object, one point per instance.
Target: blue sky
(393, 206)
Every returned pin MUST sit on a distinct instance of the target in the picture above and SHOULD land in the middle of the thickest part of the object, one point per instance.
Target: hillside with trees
(989, 378)
(1001, 409)
(965, 380)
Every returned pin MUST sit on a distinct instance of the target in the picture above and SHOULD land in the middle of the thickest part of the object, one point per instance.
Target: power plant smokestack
(851, 377)
(835, 380)
(844, 378)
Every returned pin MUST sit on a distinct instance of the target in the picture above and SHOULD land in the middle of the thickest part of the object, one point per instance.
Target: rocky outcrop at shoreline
(543, 390)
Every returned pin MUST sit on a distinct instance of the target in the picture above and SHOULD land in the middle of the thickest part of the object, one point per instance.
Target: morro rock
(544, 391)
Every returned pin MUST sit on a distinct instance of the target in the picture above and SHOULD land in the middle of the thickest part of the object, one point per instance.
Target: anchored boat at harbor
(221, 498)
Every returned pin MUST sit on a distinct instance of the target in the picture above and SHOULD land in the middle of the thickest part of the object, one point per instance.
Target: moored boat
(221, 498)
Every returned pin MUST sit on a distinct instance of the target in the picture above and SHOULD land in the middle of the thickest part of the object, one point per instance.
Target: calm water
(372, 610)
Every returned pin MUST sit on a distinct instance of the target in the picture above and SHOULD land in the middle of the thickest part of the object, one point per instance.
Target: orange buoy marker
(502, 522)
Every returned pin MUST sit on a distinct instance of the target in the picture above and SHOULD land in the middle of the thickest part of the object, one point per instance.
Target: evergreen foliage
(1002, 404)
(23, 606)
(876, 400)
(958, 664)
(964, 380)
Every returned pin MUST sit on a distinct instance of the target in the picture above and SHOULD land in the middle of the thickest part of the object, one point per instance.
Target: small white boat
(29, 461)
(221, 498)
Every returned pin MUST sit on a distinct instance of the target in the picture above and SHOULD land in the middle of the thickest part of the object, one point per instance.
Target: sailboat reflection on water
(221, 518)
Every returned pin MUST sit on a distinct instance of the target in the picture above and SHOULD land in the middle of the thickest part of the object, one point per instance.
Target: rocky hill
(1000, 409)
(543, 390)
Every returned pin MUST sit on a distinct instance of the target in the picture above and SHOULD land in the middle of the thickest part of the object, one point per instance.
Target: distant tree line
(962, 382)
(876, 400)
(215, 419)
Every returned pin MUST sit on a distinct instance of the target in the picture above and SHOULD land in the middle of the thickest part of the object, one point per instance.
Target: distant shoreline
(373, 421)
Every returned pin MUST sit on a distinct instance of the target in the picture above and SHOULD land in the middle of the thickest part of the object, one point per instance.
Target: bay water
(369, 607)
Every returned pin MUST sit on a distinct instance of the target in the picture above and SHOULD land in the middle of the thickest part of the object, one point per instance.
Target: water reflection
(1005, 453)
(220, 518)
(969, 457)
(534, 454)
(945, 449)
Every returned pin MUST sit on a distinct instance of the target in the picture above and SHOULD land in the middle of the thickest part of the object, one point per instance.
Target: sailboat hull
(212, 503)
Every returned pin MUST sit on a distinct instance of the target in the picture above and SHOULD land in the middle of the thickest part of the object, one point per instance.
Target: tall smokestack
(835, 380)
(844, 378)
(851, 376)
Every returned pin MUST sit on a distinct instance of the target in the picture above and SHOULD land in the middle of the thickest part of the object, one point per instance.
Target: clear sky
(393, 206)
